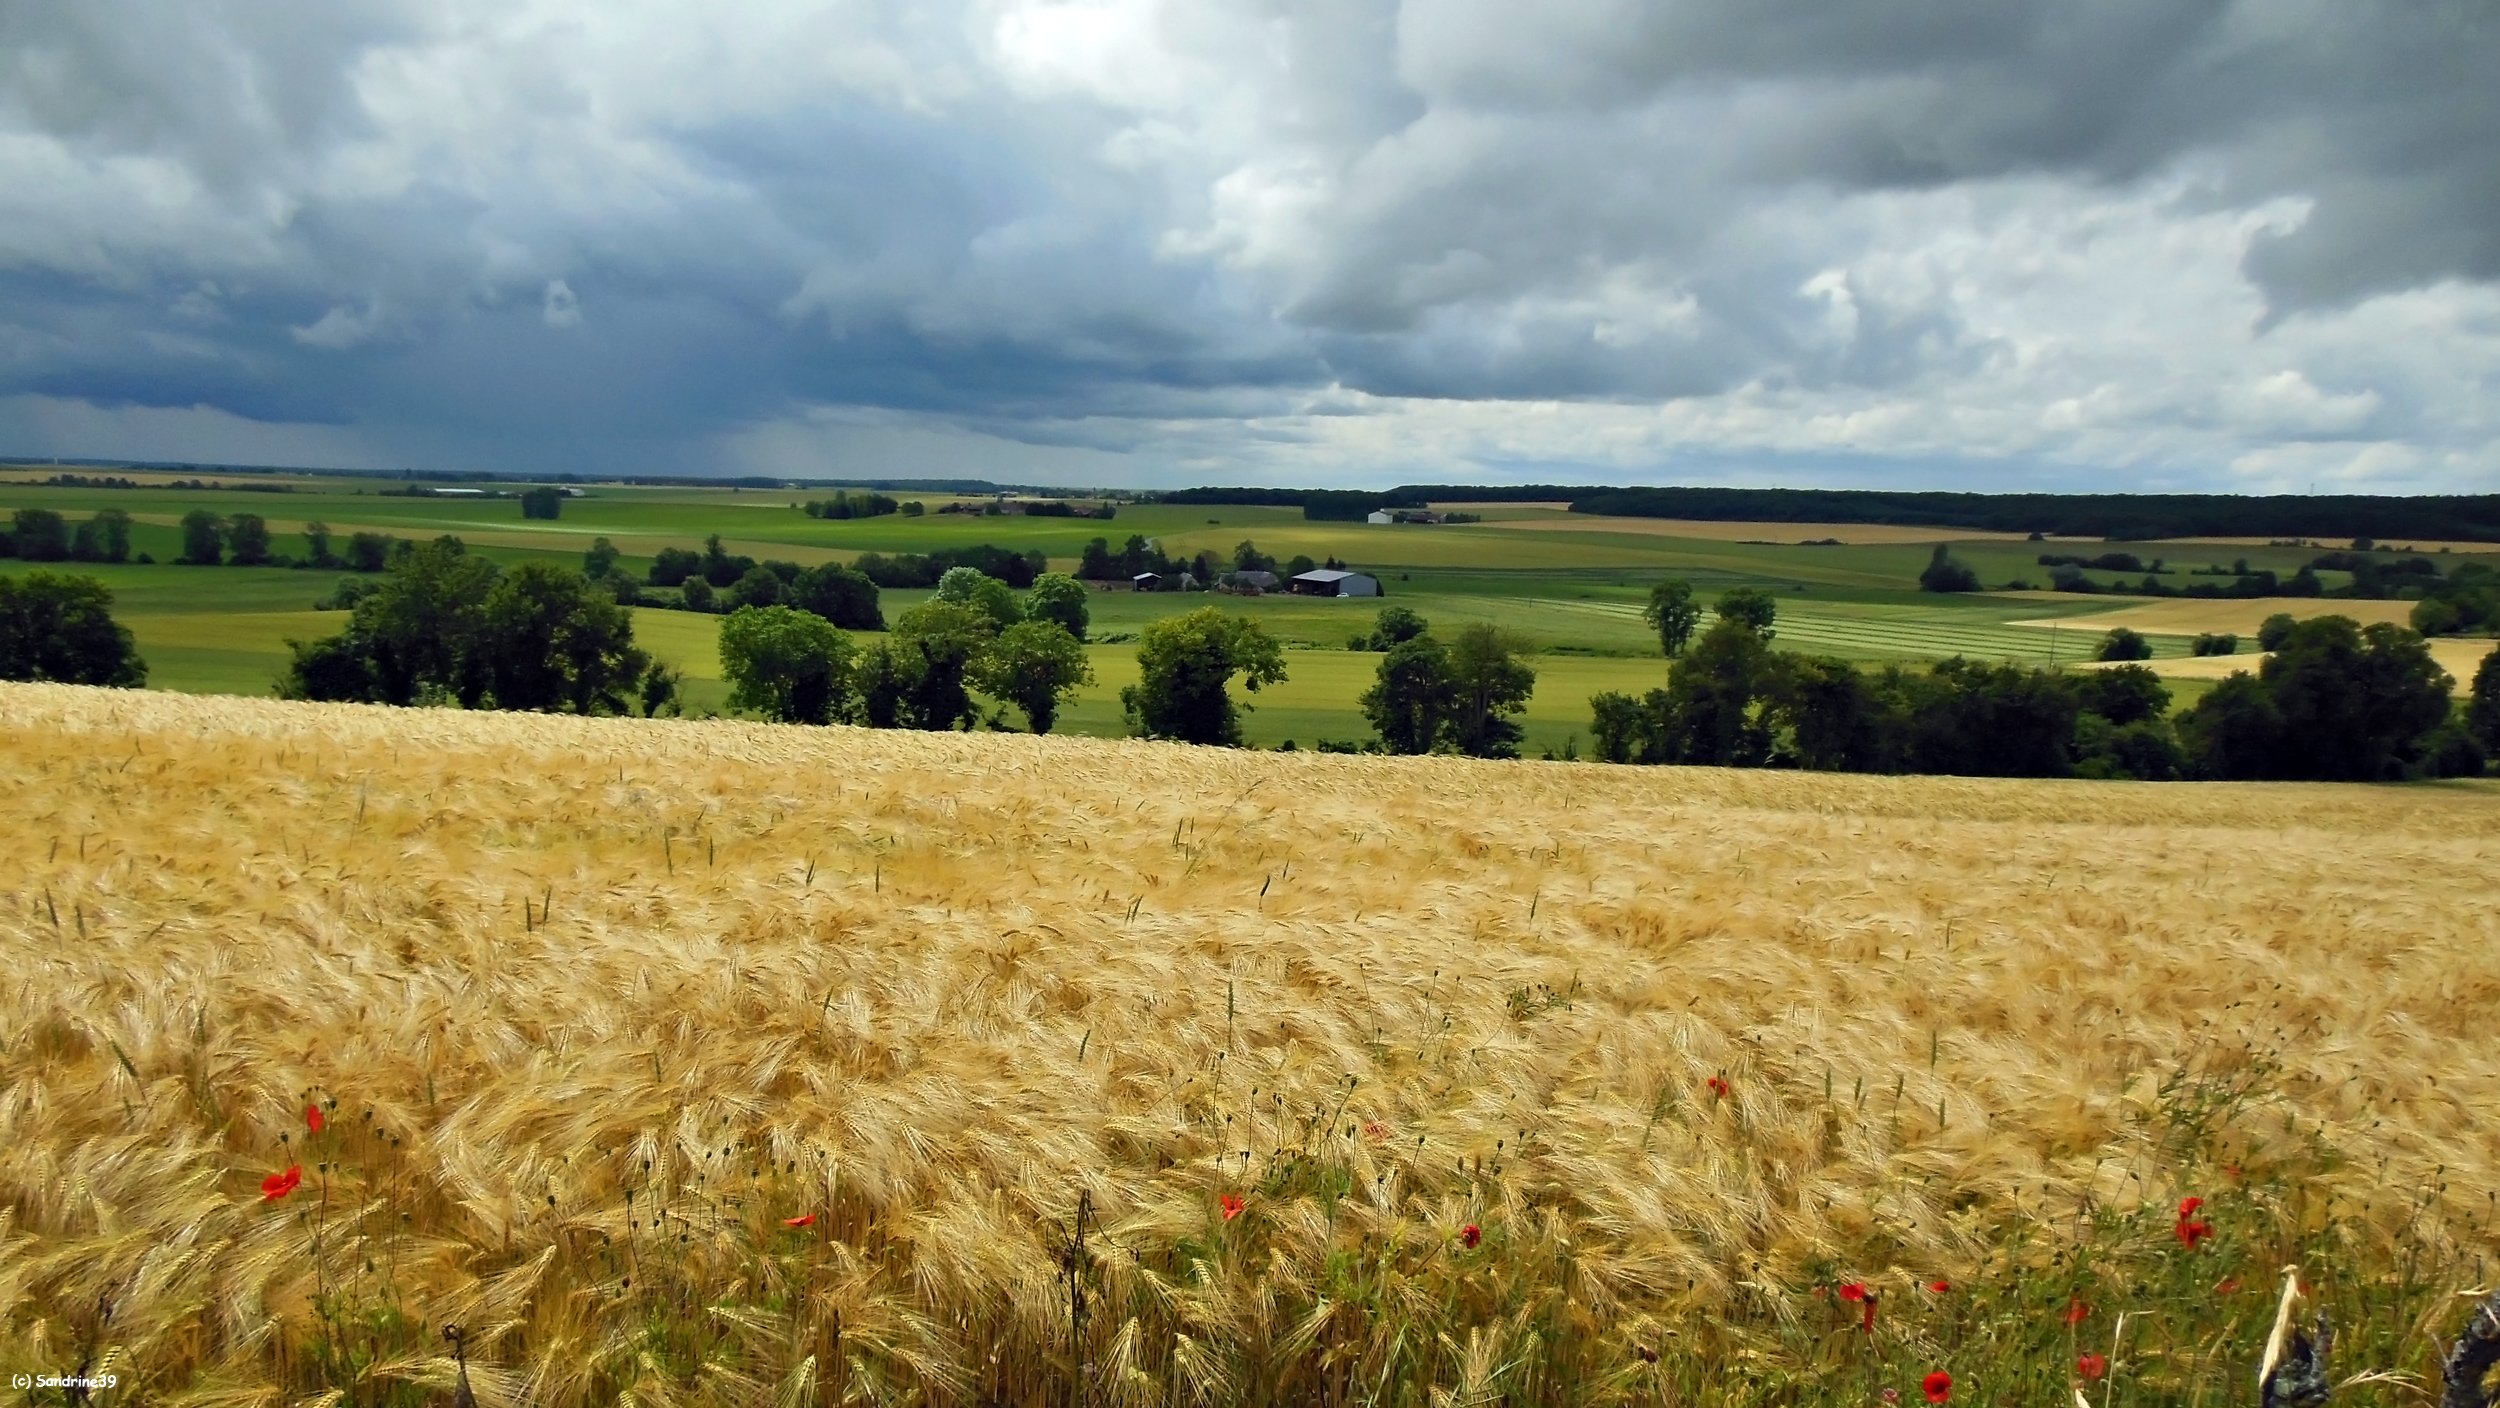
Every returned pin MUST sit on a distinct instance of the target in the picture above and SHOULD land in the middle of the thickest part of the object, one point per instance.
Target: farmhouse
(1329, 582)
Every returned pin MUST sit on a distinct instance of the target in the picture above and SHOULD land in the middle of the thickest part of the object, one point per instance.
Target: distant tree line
(208, 540)
(1328, 505)
(2334, 701)
(845, 504)
(42, 535)
(1099, 562)
(2121, 516)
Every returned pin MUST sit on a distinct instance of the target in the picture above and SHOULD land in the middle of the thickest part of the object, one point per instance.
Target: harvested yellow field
(2409, 545)
(2191, 616)
(731, 1063)
(2459, 657)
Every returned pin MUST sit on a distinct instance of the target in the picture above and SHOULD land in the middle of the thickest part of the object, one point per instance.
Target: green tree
(1392, 627)
(541, 502)
(659, 689)
(1830, 719)
(2234, 731)
(1714, 702)
(1491, 685)
(555, 642)
(2334, 702)
(317, 552)
(203, 538)
(973, 588)
(2122, 694)
(60, 628)
(1411, 697)
(600, 560)
(2123, 644)
(2482, 707)
(788, 665)
(1248, 558)
(247, 541)
(1673, 614)
(839, 594)
(761, 586)
(1976, 719)
(936, 644)
(1750, 607)
(1946, 573)
(696, 593)
(1060, 599)
(1623, 729)
(1034, 665)
(366, 552)
(104, 537)
(722, 567)
(2144, 751)
(884, 678)
(421, 630)
(42, 535)
(1183, 665)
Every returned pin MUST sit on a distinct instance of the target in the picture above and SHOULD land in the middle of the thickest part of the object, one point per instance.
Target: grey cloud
(611, 235)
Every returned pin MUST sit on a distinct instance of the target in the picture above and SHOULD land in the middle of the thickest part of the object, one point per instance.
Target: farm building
(1329, 582)
(1164, 582)
(1380, 515)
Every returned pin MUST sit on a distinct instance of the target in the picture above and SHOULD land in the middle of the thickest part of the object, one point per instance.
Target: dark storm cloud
(603, 236)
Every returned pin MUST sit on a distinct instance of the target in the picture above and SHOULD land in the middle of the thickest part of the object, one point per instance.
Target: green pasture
(1575, 597)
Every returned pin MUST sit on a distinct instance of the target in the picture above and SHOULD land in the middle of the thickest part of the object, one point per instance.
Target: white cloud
(340, 328)
(1226, 238)
(559, 308)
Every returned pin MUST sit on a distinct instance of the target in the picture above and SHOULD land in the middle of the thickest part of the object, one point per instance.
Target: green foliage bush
(61, 628)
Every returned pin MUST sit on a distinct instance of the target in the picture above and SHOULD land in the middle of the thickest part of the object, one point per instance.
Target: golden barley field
(714, 1062)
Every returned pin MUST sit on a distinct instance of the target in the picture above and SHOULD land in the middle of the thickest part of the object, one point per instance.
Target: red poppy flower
(805, 1219)
(1231, 1205)
(2191, 1233)
(2188, 1207)
(312, 1118)
(1854, 1291)
(1939, 1386)
(1866, 1321)
(1470, 1235)
(1718, 1087)
(278, 1185)
(2228, 1285)
(1940, 1287)
(2076, 1311)
(2092, 1366)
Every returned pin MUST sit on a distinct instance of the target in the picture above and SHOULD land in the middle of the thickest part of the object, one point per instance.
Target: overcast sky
(2242, 245)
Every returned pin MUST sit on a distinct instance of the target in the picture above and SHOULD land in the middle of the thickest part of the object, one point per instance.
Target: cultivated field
(1557, 518)
(1571, 585)
(727, 1063)
(2460, 658)
(2192, 617)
